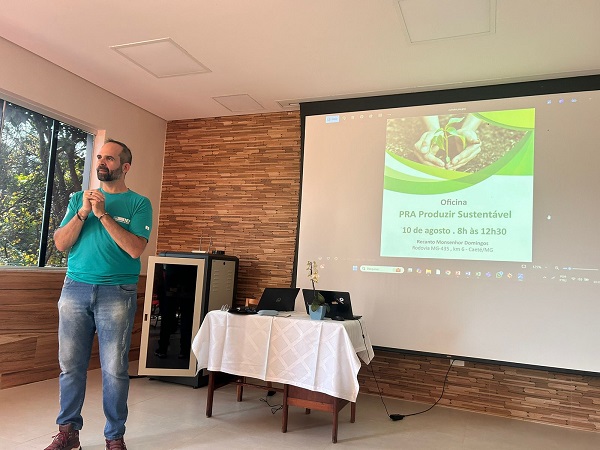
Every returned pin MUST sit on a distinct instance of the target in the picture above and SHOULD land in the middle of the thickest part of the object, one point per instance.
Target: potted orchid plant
(318, 305)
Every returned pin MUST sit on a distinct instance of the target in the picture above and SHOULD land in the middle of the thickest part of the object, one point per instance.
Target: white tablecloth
(320, 355)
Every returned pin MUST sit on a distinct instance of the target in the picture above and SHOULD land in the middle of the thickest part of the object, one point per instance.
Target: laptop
(278, 299)
(338, 301)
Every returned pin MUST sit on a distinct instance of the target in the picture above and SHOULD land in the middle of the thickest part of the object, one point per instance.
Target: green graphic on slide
(408, 176)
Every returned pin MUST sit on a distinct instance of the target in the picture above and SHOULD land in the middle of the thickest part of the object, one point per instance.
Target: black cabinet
(180, 289)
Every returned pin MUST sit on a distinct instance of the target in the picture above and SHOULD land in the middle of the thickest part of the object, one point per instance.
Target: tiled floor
(165, 416)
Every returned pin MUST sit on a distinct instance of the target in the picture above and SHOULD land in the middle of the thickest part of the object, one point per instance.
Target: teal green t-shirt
(96, 258)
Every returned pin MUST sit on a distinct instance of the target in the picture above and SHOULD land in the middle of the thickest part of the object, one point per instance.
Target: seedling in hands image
(441, 138)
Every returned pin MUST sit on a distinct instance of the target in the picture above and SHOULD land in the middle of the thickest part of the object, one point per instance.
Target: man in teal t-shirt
(105, 231)
(112, 265)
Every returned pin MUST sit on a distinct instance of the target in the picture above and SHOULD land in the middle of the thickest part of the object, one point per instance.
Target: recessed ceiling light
(161, 57)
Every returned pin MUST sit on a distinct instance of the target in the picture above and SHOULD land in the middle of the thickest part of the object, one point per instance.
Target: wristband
(102, 215)
(79, 217)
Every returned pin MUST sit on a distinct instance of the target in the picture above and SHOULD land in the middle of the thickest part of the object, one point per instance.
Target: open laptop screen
(338, 301)
(278, 299)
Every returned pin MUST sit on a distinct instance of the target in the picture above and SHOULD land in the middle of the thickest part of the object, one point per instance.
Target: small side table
(304, 398)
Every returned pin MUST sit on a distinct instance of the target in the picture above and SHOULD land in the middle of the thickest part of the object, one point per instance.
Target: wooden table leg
(211, 393)
(336, 410)
(284, 416)
(352, 412)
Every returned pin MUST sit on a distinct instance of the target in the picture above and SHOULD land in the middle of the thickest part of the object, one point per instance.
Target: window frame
(55, 127)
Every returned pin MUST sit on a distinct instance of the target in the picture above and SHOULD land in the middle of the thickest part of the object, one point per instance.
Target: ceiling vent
(289, 104)
(161, 57)
(241, 103)
(431, 20)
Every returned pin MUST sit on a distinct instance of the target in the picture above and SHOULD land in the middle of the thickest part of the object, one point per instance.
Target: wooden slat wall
(237, 180)
(537, 395)
(29, 325)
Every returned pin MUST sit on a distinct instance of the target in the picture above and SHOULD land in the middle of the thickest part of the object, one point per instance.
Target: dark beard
(110, 175)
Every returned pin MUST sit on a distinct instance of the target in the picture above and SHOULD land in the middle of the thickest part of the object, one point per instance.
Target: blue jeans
(85, 309)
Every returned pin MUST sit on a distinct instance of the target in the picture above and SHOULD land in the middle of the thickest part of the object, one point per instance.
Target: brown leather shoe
(115, 444)
(66, 439)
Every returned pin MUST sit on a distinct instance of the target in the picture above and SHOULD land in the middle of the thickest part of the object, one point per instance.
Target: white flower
(313, 276)
(313, 273)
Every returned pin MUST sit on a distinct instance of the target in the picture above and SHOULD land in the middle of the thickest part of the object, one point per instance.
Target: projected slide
(459, 186)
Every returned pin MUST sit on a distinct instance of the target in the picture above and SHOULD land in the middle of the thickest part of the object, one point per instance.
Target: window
(42, 163)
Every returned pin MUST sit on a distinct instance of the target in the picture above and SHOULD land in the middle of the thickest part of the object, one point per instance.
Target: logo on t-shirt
(121, 219)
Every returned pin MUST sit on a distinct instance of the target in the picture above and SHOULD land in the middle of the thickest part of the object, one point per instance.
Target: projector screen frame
(438, 97)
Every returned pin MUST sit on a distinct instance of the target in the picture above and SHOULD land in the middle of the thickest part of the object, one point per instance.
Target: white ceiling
(276, 52)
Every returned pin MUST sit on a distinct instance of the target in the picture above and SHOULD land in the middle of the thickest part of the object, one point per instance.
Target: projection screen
(464, 222)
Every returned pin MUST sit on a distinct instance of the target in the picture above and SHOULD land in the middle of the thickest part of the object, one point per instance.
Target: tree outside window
(41, 164)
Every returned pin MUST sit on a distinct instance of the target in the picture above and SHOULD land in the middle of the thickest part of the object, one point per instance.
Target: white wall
(40, 85)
